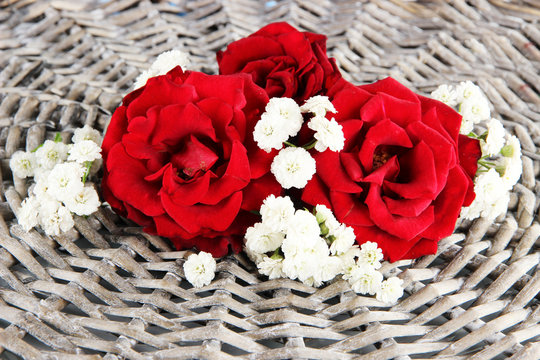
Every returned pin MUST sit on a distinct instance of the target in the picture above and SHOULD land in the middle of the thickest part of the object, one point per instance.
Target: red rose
(181, 161)
(283, 61)
(401, 178)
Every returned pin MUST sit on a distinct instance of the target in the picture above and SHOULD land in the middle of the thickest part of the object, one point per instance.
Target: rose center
(380, 158)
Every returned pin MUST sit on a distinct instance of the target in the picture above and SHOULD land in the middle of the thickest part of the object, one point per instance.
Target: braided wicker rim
(108, 291)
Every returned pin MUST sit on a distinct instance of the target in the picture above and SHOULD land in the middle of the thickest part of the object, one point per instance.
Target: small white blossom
(475, 109)
(261, 239)
(344, 240)
(365, 280)
(467, 126)
(23, 164)
(51, 153)
(348, 262)
(200, 269)
(370, 254)
(41, 186)
(467, 90)
(271, 267)
(269, 133)
(85, 202)
(446, 94)
(512, 161)
(287, 113)
(325, 217)
(83, 151)
(495, 138)
(163, 64)
(65, 180)
(328, 133)
(318, 105)
(86, 133)
(256, 257)
(491, 197)
(305, 263)
(28, 214)
(293, 167)
(329, 268)
(276, 212)
(391, 290)
(303, 225)
(54, 218)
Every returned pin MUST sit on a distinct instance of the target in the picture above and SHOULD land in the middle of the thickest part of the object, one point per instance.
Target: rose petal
(349, 210)
(405, 228)
(315, 192)
(181, 192)
(258, 190)
(333, 174)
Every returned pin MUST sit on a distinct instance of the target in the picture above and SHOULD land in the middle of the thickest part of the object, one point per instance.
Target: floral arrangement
(279, 156)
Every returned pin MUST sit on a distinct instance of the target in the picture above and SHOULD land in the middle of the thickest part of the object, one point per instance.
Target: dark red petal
(386, 173)
(176, 122)
(333, 174)
(242, 51)
(448, 205)
(405, 228)
(421, 248)
(183, 193)
(417, 177)
(383, 106)
(194, 157)
(126, 182)
(391, 87)
(449, 118)
(315, 192)
(349, 210)
(196, 217)
(258, 190)
(169, 93)
(348, 103)
(236, 176)
(406, 207)
(351, 164)
(385, 132)
(116, 129)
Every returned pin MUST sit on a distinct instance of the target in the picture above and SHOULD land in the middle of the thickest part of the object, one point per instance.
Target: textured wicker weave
(109, 291)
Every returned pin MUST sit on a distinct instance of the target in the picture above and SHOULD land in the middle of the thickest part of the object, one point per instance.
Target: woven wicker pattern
(109, 291)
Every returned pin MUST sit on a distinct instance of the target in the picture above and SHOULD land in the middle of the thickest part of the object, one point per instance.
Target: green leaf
(58, 137)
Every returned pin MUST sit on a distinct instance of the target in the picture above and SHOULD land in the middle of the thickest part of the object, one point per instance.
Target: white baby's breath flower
(261, 239)
(318, 105)
(65, 180)
(51, 153)
(467, 90)
(446, 94)
(370, 254)
(511, 161)
(270, 133)
(28, 214)
(293, 167)
(256, 257)
(495, 138)
(329, 268)
(344, 240)
(23, 164)
(365, 280)
(491, 197)
(391, 290)
(271, 267)
(304, 263)
(475, 109)
(467, 126)
(326, 220)
(348, 262)
(86, 133)
(303, 225)
(287, 113)
(85, 202)
(163, 64)
(328, 133)
(200, 269)
(276, 212)
(54, 218)
(83, 151)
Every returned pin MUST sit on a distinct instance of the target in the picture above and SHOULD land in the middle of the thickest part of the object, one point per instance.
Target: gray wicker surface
(109, 291)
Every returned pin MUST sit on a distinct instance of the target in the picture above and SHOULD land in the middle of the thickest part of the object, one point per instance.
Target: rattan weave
(109, 291)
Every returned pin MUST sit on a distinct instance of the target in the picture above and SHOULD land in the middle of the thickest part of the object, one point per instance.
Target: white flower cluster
(495, 178)
(500, 165)
(282, 120)
(60, 172)
(163, 64)
(470, 101)
(200, 269)
(315, 248)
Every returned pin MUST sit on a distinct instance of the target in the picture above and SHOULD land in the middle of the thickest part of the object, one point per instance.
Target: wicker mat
(109, 291)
